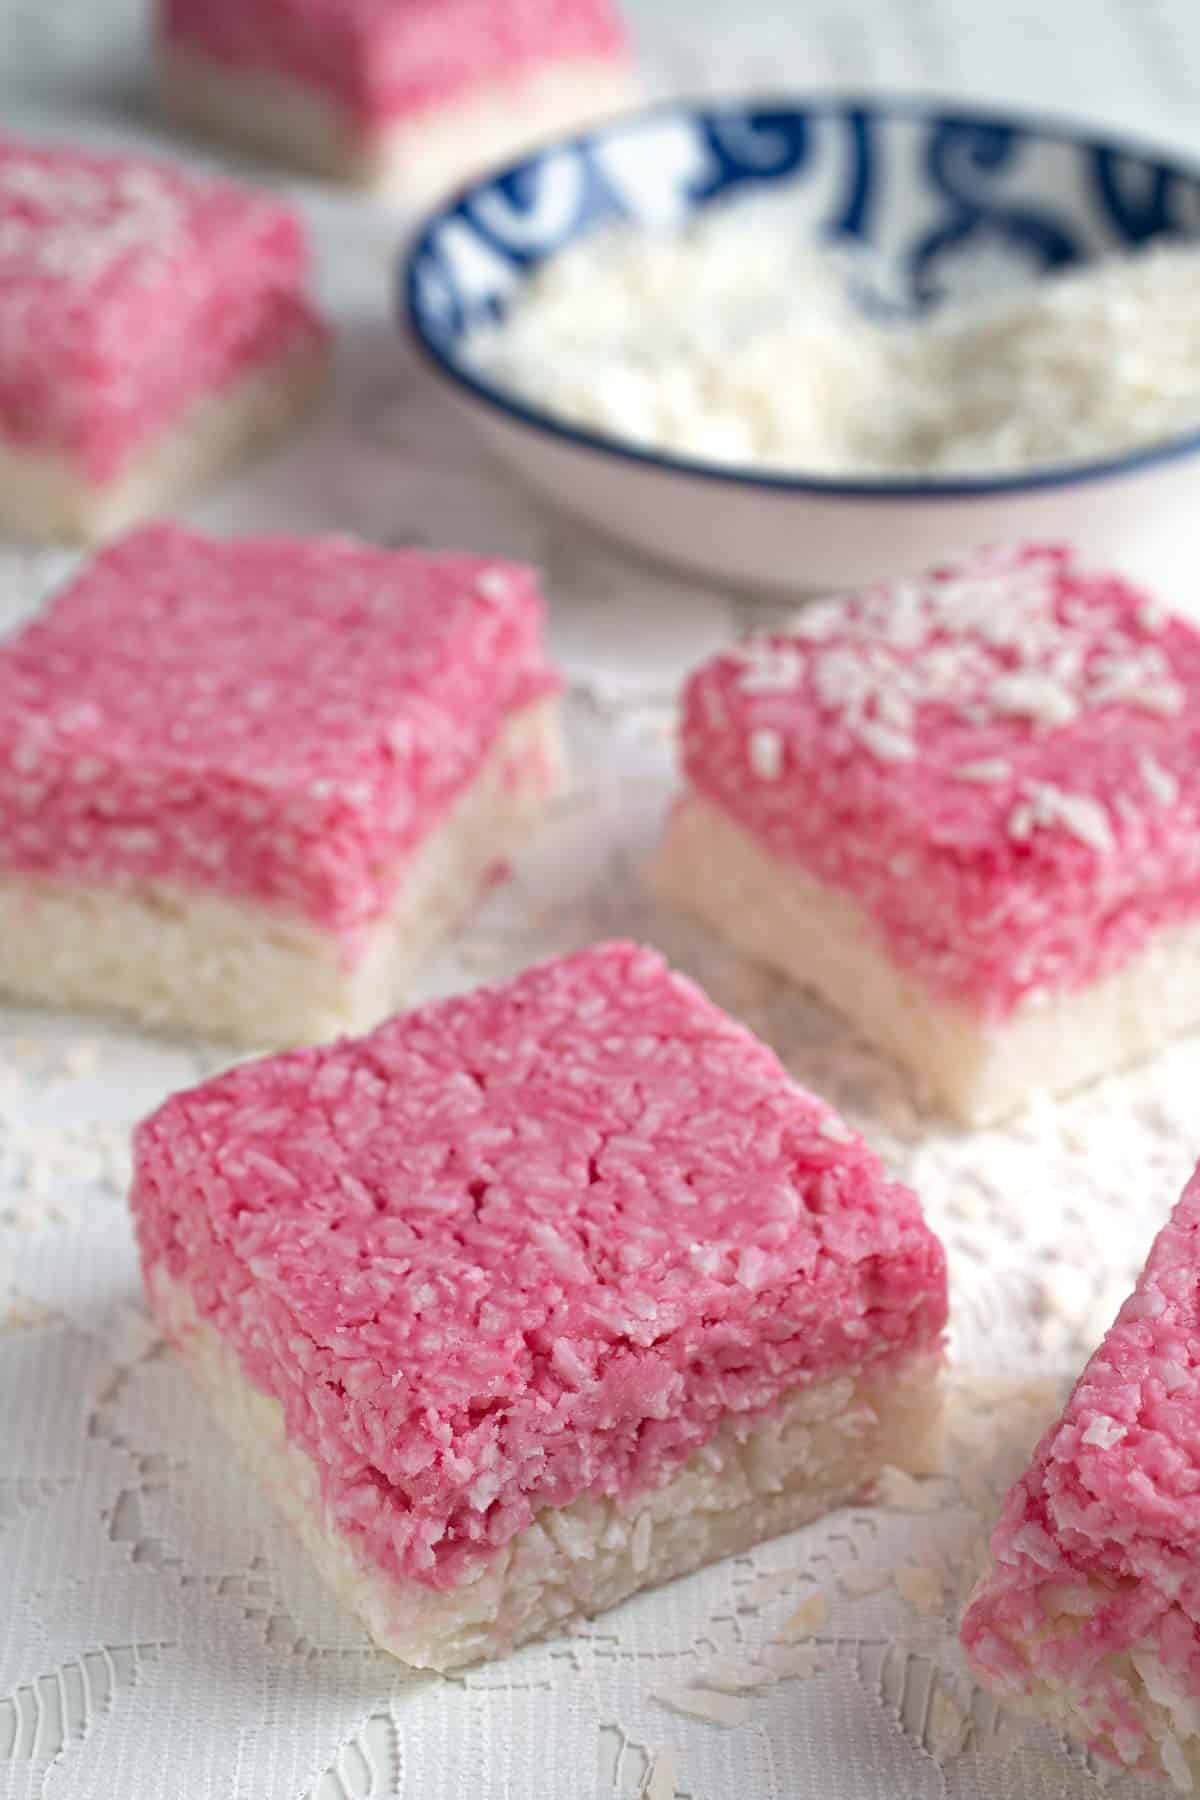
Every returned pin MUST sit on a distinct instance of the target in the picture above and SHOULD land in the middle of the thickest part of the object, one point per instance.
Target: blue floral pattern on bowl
(940, 202)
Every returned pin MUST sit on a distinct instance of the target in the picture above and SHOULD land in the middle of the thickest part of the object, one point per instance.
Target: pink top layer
(1112, 1498)
(999, 761)
(128, 290)
(382, 59)
(279, 719)
(529, 1243)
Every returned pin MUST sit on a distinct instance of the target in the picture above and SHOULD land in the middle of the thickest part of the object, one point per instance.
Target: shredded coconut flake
(810, 1617)
(769, 668)
(1078, 814)
(660, 1777)
(1161, 785)
(1034, 696)
(986, 771)
(714, 1708)
(884, 743)
(1104, 1432)
(676, 341)
(766, 754)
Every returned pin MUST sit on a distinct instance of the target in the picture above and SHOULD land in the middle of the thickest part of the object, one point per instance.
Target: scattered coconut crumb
(811, 1616)
(858, 1583)
(766, 754)
(902, 1492)
(946, 1732)
(1160, 783)
(731, 1676)
(791, 1662)
(714, 1708)
(24, 1314)
(81, 1058)
(766, 1588)
(660, 1776)
(922, 1586)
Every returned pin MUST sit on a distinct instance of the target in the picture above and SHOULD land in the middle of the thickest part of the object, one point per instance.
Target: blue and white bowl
(942, 200)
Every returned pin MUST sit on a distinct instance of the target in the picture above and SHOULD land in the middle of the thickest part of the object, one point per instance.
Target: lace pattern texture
(160, 1636)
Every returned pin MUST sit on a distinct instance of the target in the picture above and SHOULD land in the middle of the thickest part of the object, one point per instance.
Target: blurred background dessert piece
(406, 97)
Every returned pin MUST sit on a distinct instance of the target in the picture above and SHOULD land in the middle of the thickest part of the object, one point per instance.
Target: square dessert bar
(539, 1296)
(1090, 1615)
(407, 96)
(965, 809)
(245, 785)
(153, 327)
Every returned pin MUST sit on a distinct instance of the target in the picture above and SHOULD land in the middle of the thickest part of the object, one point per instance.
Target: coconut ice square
(408, 96)
(245, 785)
(154, 327)
(539, 1296)
(964, 808)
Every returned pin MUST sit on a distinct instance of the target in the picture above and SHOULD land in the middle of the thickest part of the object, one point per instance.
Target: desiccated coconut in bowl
(805, 343)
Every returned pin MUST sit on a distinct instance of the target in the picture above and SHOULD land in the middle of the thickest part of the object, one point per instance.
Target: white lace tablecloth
(160, 1638)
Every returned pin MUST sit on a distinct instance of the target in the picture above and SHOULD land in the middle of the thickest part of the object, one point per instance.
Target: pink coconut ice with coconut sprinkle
(1090, 1615)
(245, 784)
(964, 806)
(575, 1249)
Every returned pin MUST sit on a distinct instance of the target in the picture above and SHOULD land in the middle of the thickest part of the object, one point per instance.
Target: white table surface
(160, 1639)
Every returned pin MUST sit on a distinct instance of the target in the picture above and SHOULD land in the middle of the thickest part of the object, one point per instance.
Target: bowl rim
(1048, 127)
